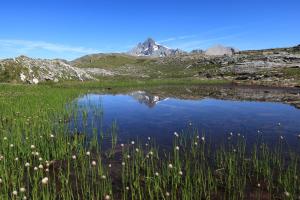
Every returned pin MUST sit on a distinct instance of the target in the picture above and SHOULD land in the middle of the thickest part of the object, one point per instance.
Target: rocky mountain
(220, 50)
(29, 70)
(152, 49)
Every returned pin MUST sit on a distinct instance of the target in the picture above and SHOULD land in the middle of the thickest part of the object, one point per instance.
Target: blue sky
(72, 28)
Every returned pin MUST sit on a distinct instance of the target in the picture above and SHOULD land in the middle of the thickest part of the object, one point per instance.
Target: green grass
(32, 130)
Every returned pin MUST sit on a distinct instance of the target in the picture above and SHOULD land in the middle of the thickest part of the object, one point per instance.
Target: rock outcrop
(220, 50)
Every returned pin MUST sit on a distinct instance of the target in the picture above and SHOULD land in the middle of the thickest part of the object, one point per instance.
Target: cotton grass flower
(109, 165)
(51, 136)
(16, 159)
(180, 173)
(203, 139)
(88, 153)
(27, 164)
(177, 148)
(1, 181)
(287, 194)
(137, 150)
(123, 163)
(74, 157)
(103, 177)
(32, 146)
(170, 166)
(94, 163)
(149, 138)
(5, 138)
(45, 181)
(122, 145)
(281, 137)
(35, 168)
(167, 194)
(11, 145)
(22, 190)
(107, 197)
(176, 134)
(156, 174)
(132, 142)
(15, 193)
(127, 188)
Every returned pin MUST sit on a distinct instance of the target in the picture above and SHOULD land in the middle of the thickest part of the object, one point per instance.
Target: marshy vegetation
(40, 158)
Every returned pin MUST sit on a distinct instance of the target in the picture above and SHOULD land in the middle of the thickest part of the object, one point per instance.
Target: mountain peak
(150, 48)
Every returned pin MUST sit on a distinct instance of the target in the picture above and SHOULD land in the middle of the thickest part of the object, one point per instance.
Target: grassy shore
(41, 159)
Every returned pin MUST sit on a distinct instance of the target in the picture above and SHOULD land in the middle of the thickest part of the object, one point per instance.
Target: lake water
(142, 114)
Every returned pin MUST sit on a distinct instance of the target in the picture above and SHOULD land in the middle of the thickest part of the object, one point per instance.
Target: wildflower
(24, 198)
(167, 194)
(176, 134)
(149, 138)
(177, 148)
(147, 156)
(103, 177)
(22, 190)
(74, 157)
(203, 138)
(146, 144)
(279, 124)
(231, 134)
(32, 146)
(41, 166)
(88, 153)
(11, 145)
(196, 143)
(37, 153)
(127, 188)
(15, 193)
(40, 158)
(180, 173)
(122, 145)
(197, 136)
(123, 163)
(52, 136)
(16, 159)
(109, 165)
(1, 157)
(287, 194)
(299, 136)
(27, 164)
(35, 168)
(281, 137)
(170, 166)
(47, 170)
(156, 174)
(190, 123)
(5, 138)
(128, 156)
(94, 163)
(258, 185)
(137, 150)
(234, 150)
(132, 142)
(1, 180)
(107, 197)
(151, 153)
(45, 181)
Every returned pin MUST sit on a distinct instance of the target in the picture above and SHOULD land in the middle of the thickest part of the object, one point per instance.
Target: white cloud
(27, 45)
(196, 43)
(176, 38)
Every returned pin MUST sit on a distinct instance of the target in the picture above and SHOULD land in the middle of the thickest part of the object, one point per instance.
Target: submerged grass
(42, 159)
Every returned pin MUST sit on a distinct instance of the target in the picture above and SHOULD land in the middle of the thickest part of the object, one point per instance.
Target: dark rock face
(151, 48)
